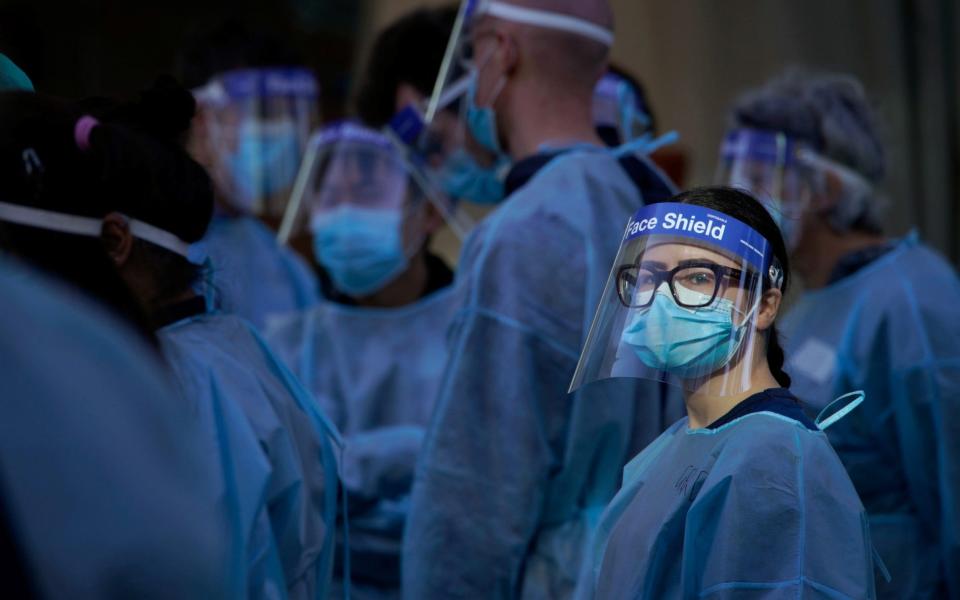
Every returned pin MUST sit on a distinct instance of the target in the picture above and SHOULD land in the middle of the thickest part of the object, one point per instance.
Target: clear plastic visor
(616, 105)
(350, 171)
(767, 165)
(257, 125)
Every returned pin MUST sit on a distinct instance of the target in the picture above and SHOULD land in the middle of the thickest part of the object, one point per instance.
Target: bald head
(560, 60)
(597, 12)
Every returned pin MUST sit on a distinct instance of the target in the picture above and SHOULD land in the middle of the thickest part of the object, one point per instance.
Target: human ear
(508, 55)
(768, 309)
(116, 237)
(829, 193)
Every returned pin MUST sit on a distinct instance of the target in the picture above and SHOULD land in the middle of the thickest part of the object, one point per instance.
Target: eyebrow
(653, 265)
(691, 262)
(698, 262)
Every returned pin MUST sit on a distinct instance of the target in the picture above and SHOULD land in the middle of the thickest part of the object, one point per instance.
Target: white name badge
(816, 360)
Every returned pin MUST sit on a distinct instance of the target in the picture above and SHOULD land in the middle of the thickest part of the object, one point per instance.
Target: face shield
(768, 165)
(681, 301)
(788, 177)
(365, 206)
(257, 125)
(617, 108)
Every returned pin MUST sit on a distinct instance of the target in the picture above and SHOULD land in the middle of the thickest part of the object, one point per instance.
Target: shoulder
(287, 327)
(552, 215)
(572, 175)
(768, 442)
(209, 324)
(910, 296)
(208, 339)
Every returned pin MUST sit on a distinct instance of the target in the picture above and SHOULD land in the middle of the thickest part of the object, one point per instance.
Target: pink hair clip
(81, 131)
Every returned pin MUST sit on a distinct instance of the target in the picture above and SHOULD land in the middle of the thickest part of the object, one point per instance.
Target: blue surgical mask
(482, 121)
(360, 248)
(685, 342)
(264, 163)
(464, 179)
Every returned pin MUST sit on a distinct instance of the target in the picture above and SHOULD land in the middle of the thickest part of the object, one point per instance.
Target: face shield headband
(707, 226)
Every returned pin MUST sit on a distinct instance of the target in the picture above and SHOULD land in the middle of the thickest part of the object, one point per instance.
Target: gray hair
(832, 114)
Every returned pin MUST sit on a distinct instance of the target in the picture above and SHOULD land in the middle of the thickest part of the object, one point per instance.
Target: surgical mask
(360, 248)
(482, 121)
(463, 178)
(264, 163)
(685, 342)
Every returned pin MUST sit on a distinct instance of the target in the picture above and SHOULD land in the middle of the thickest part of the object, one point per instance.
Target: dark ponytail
(744, 207)
(775, 358)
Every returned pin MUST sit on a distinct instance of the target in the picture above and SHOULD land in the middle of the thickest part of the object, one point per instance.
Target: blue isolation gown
(760, 507)
(376, 372)
(254, 276)
(108, 480)
(220, 360)
(892, 329)
(515, 471)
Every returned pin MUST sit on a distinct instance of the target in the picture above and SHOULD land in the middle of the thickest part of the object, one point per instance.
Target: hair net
(829, 111)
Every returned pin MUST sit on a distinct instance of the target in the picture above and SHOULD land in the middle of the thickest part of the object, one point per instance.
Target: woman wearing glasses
(744, 497)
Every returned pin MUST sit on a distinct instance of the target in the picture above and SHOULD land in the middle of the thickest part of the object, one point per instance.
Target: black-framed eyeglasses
(694, 284)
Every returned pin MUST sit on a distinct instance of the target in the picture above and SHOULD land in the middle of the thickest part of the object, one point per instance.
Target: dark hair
(181, 196)
(408, 51)
(214, 48)
(829, 111)
(119, 170)
(744, 207)
(42, 167)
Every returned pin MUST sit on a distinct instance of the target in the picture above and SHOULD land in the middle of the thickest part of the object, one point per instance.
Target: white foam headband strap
(88, 226)
(543, 18)
(850, 178)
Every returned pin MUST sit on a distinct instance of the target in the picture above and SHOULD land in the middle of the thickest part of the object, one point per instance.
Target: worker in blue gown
(373, 351)
(255, 115)
(108, 479)
(514, 472)
(106, 476)
(276, 450)
(744, 497)
(877, 314)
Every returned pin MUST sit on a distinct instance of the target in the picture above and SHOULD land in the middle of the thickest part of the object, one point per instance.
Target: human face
(700, 272)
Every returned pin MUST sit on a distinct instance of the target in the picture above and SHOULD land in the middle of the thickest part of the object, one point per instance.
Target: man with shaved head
(515, 471)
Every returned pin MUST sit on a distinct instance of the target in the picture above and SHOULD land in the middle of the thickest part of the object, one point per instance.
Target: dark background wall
(115, 47)
(694, 56)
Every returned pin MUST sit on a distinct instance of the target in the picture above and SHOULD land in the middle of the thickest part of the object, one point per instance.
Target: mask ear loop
(476, 76)
(856, 399)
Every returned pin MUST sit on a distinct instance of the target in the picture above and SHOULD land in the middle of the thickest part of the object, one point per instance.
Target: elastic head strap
(88, 226)
(546, 19)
